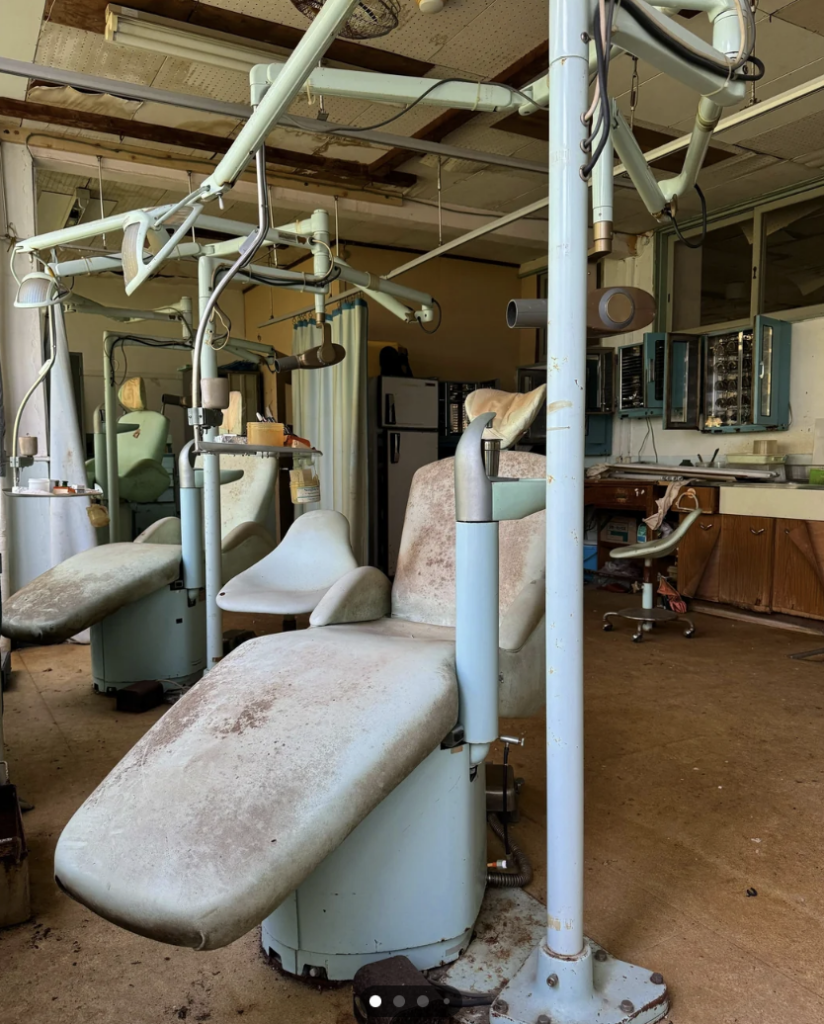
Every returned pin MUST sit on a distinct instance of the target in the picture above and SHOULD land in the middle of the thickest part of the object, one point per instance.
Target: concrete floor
(705, 778)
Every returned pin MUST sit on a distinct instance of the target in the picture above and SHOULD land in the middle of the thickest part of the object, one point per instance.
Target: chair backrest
(314, 554)
(249, 499)
(148, 441)
(424, 588)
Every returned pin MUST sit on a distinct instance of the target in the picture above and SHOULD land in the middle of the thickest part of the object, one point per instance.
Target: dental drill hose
(509, 879)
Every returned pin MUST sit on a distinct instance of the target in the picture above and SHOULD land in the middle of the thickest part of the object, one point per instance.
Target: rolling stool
(647, 616)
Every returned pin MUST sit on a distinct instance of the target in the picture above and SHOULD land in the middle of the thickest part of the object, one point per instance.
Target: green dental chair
(140, 450)
(648, 616)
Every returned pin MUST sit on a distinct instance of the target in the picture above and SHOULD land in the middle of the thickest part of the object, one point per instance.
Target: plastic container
(304, 483)
(270, 434)
(590, 558)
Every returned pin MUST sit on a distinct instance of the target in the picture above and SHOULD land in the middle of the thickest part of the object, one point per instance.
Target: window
(794, 256)
(712, 285)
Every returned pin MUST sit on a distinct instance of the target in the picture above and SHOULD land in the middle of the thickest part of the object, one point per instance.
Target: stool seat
(661, 546)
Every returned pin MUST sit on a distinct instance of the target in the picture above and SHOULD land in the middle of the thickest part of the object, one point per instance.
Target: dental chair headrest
(513, 412)
(132, 394)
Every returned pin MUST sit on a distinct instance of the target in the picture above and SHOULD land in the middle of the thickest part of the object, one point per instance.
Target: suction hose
(509, 879)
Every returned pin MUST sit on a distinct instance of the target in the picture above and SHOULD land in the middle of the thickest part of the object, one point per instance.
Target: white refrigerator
(403, 431)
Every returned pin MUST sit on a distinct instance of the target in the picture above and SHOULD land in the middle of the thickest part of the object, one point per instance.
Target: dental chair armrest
(362, 595)
(164, 531)
(523, 616)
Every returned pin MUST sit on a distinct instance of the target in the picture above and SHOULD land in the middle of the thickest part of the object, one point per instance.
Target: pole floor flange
(593, 988)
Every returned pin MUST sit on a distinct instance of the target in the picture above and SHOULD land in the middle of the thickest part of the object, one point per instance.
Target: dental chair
(330, 782)
(140, 450)
(294, 578)
(145, 622)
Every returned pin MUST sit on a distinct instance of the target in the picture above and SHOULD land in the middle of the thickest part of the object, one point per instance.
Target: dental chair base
(409, 880)
(162, 636)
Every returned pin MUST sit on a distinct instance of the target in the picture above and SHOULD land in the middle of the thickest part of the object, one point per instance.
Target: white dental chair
(314, 554)
(315, 779)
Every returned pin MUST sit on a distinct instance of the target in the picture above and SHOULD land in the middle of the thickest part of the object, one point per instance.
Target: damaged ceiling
(500, 40)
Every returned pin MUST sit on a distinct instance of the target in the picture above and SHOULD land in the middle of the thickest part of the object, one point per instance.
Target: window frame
(666, 240)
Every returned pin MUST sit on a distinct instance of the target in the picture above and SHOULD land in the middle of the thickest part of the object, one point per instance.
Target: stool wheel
(637, 638)
(607, 627)
(689, 633)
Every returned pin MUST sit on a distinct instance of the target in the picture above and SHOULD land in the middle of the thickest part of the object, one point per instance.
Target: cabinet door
(698, 558)
(797, 580)
(682, 374)
(746, 569)
(771, 372)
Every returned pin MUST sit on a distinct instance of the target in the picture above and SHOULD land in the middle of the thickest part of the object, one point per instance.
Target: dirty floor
(705, 781)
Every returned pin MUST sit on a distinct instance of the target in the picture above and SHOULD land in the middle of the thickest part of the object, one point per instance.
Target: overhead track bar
(150, 94)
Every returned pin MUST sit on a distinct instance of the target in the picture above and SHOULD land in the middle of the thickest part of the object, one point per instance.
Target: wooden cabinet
(746, 562)
(798, 576)
(698, 559)
(729, 559)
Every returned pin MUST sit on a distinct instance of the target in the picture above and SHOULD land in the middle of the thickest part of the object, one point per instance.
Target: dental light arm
(389, 294)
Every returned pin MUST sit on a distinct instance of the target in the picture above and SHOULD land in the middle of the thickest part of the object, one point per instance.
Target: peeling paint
(553, 922)
(557, 406)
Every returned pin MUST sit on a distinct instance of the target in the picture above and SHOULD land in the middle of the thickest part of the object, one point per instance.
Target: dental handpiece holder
(482, 500)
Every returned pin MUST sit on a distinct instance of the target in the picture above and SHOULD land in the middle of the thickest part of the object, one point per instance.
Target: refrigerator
(403, 436)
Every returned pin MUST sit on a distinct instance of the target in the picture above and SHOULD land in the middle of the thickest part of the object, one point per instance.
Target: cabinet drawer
(619, 495)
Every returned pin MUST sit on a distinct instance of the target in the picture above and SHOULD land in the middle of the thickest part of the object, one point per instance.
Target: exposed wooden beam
(522, 72)
(307, 164)
(90, 15)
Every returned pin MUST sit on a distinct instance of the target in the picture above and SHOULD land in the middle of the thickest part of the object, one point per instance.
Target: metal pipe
(314, 43)
(110, 426)
(602, 196)
(247, 254)
(240, 111)
(191, 522)
(456, 243)
(705, 122)
(41, 376)
(566, 325)
(369, 282)
(206, 363)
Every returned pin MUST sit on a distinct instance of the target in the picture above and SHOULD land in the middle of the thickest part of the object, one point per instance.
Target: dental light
(38, 290)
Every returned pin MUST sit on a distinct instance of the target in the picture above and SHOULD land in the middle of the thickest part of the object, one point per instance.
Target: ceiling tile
(76, 50)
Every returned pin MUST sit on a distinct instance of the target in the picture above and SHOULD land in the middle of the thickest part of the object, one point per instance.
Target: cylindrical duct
(610, 311)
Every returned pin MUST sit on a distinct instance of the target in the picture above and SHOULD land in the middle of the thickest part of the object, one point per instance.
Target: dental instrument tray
(220, 448)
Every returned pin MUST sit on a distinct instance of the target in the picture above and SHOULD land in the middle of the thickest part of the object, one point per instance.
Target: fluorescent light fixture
(163, 35)
(38, 290)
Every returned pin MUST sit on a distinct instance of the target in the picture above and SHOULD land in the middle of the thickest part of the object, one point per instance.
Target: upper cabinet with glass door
(729, 381)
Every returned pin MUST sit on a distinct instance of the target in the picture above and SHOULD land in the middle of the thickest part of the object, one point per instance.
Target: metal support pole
(211, 488)
(110, 428)
(569, 979)
(566, 372)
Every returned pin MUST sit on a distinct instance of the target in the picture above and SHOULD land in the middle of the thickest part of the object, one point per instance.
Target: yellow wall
(159, 368)
(473, 342)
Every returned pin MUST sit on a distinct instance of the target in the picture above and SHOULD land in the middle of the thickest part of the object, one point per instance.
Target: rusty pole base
(593, 988)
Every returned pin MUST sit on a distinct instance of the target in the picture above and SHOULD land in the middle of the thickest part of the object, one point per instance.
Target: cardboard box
(620, 530)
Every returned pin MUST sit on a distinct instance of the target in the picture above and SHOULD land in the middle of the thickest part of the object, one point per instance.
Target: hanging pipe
(44, 370)
(247, 254)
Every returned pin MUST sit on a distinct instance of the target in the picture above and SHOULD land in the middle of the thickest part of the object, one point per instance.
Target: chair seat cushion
(247, 784)
(87, 587)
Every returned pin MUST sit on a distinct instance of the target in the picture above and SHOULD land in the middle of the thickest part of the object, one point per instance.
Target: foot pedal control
(395, 990)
